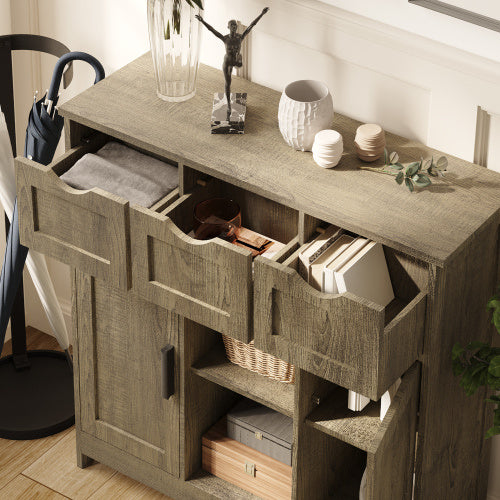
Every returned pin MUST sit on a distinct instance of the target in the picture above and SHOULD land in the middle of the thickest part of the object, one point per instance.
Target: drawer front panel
(206, 281)
(341, 338)
(87, 229)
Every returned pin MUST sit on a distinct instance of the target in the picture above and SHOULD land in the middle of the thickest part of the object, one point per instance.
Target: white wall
(419, 73)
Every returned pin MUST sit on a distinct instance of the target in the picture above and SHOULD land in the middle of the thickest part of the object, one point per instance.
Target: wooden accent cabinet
(142, 287)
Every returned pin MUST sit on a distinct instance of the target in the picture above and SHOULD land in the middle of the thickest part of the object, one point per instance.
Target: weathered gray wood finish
(370, 204)
(120, 338)
(390, 444)
(341, 338)
(206, 281)
(442, 250)
(86, 229)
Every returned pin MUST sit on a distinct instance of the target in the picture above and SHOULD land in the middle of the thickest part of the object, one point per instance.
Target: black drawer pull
(167, 371)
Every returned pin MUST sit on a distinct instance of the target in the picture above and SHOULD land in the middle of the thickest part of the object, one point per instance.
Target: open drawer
(209, 282)
(86, 229)
(342, 338)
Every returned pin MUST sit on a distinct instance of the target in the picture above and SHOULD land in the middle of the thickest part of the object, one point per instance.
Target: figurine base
(234, 122)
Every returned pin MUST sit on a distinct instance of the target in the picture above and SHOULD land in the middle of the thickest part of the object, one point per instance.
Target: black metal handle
(167, 371)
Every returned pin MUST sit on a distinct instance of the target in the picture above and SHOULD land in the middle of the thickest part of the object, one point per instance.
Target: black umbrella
(45, 124)
(42, 136)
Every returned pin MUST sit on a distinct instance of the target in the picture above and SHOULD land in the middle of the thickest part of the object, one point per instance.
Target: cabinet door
(120, 339)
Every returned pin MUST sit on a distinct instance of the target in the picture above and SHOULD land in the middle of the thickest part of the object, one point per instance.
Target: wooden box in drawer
(348, 340)
(247, 468)
(86, 229)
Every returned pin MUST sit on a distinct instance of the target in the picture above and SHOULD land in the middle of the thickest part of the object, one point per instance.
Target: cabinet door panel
(120, 338)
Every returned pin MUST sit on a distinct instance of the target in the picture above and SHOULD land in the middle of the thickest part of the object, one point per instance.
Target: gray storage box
(262, 429)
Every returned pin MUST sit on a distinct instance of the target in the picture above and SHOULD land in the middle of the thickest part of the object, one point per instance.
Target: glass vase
(174, 35)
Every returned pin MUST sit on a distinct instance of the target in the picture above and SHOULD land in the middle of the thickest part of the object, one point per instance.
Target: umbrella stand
(36, 387)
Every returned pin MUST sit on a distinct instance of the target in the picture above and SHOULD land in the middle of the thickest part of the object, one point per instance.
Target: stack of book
(336, 262)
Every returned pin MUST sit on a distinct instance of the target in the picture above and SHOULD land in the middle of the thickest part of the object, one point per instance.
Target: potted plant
(478, 364)
(174, 35)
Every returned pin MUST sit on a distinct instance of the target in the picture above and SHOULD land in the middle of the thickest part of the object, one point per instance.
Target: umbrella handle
(61, 64)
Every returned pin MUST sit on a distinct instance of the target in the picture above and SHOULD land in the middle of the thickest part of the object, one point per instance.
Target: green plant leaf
(492, 431)
(167, 31)
(494, 305)
(412, 168)
(442, 163)
(397, 166)
(409, 184)
(386, 157)
(494, 368)
(400, 177)
(393, 157)
(421, 180)
(493, 399)
(457, 351)
(427, 164)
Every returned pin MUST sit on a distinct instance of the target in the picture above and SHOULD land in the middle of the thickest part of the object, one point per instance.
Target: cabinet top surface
(432, 224)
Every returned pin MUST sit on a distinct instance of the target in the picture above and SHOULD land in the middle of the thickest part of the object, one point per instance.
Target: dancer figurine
(233, 58)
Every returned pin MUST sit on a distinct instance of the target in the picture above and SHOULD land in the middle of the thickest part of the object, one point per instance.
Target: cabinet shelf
(363, 429)
(356, 428)
(219, 488)
(215, 366)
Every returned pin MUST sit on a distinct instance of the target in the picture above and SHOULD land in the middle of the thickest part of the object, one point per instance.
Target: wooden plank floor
(45, 469)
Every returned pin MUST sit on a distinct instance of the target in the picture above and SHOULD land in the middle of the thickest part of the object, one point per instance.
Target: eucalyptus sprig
(478, 364)
(176, 15)
(413, 174)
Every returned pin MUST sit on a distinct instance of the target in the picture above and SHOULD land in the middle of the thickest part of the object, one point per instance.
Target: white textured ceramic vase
(306, 107)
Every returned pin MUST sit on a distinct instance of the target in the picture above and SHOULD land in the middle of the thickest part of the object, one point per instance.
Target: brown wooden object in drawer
(86, 229)
(341, 338)
(206, 281)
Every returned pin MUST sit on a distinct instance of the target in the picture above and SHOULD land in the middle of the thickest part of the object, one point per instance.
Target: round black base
(38, 401)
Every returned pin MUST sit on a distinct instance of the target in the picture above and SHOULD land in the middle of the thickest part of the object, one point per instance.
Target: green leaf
(442, 163)
(432, 170)
(421, 180)
(457, 351)
(393, 157)
(167, 31)
(427, 164)
(400, 177)
(494, 305)
(412, 168)
(492, 431)
(386, 157)
(494, 368)
(409, 184)
(199, 3)
(397, 166)
(493, 399)
(493, 382)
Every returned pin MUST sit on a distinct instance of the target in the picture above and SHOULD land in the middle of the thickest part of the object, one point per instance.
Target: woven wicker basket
(247, 356)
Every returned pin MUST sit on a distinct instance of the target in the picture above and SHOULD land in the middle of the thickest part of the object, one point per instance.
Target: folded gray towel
(124, 171)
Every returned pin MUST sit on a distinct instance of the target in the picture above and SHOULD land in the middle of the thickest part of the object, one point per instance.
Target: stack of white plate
(370, 141)
(327, 148)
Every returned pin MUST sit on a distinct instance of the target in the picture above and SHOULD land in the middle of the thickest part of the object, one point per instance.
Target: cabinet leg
(83, 461)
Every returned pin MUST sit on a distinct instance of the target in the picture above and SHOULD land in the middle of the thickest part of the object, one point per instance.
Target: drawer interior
(92, 144)
(259, 214)
(409, 277)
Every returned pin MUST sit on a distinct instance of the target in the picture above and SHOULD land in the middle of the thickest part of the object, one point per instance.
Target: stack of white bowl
(327, 148)
(370, 141)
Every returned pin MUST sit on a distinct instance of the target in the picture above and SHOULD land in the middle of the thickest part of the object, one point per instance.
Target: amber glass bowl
(217, 218)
